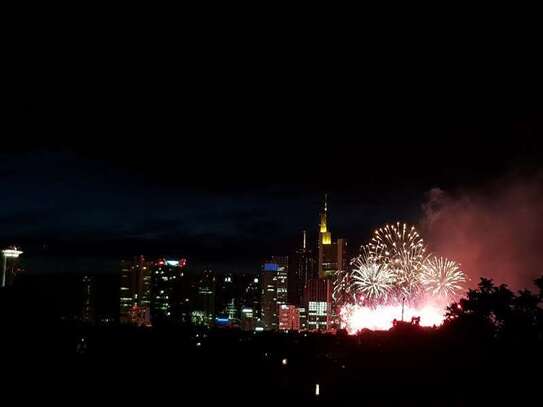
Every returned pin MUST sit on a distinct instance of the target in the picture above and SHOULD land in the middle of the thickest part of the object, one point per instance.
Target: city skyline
(271, 207)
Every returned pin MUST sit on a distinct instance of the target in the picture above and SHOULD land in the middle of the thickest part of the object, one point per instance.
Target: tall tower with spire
(325, 237)
(332, 254)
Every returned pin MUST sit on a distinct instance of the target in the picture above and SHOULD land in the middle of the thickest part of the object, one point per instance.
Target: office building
(282, 279)
(274, 288)
(170, 292)
(251, 294)
(204, 307)
(269, 296)
(135, 295)
(248, 319)
(318, 295)
(301, 271)
(225, 293)
(332, 255)
(289, 318)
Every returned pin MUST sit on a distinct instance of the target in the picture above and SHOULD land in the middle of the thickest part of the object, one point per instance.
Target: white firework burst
(370, 280)
(398, 245)
(442, 277)
(403, 250)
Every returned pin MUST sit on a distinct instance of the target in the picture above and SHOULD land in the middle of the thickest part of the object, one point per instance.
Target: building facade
(154, 292)
(203, 312)
(135, 295)
(170, 292)
(318, 295)
(274, 278)
(289, 318)
(302, 270)
(332, 255)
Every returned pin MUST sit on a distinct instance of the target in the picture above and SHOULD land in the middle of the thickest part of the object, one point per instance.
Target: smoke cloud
(494, 232)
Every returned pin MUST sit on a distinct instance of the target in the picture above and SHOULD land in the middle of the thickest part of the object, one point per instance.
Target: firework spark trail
(342, 287)
(442, 277)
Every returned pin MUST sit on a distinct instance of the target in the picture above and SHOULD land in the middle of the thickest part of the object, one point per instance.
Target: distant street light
(11, 253)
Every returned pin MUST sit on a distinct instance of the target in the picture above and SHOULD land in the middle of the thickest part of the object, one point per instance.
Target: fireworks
(395, 272)
(442, 277)
(398, 245)
(342, 287)
(403, 251)
(370, 280)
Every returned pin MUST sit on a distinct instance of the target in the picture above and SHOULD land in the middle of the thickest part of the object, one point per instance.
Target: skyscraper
(154, 291)
(319, 305)
(251, 294)
(282, 280)
(274, 290)
(135, 293)
(332, 257)
(289, 318)
(303, 269)
(204, 308)
(269, 295)
(170, 292)
(226, 298)
(332, 254)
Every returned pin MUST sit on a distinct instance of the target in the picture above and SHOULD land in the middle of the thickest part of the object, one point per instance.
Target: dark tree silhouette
(495, 311)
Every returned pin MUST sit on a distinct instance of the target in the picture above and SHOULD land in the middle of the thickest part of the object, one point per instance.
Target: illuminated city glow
(395, 272)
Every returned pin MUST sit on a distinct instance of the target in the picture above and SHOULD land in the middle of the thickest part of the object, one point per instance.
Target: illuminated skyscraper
(282, 280)
(289, 318)
(204, 308)
(251, 294)
(226, 298)
(332, 254)
(318, 294)
(170, 292)
(332, 257)
(135, 295)
(269, 296)
(153, 291)
(274, 290)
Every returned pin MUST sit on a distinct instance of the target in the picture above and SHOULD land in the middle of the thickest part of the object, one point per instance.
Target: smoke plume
(494, 232)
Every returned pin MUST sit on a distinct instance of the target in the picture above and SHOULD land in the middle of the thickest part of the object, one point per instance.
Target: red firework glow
(394, 269)
(355, 318)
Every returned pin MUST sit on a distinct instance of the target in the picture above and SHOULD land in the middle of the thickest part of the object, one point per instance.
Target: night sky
(220, 148)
